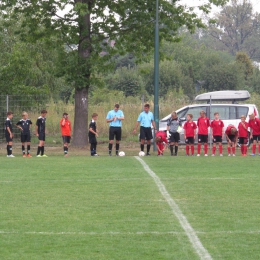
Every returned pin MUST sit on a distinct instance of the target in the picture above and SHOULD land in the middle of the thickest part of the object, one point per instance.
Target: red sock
(205, 149)
(234, 150)
(242, 149)
(229, 150)
(245, 149)
(254, 148)
(259, 148)
(199, 147)
(187, 149)
(192, 149)
(213, 150)
(220, 149)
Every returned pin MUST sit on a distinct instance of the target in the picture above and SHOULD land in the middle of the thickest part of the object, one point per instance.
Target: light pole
(156, 72)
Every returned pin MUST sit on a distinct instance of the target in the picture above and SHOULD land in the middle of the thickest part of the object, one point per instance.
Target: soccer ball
(121, 153)
(141, 153)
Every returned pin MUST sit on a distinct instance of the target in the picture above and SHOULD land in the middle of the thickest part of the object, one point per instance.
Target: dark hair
(147, 105)
(65, 114)
(44, 111)
(94, 115)
(190, 115)
(9, 113)
(117, 105)
(216, 113)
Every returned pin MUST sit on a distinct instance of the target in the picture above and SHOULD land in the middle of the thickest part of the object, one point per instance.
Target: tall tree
(237, 28)
(92, 27)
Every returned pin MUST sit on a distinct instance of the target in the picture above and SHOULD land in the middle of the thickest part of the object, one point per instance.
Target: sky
(256, 4)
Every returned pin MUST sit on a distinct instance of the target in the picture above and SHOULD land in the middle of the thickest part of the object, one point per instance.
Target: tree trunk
(80, 133)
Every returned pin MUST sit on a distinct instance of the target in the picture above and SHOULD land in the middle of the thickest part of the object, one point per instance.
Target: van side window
(195, 111)
(242, 111)
(224, 112)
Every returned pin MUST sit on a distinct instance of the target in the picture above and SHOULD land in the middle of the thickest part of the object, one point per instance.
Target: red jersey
(228, 130)
(65, 129)
(189, 128)
(217, 127)
(242, 132)
(255, 126)
(163, 136)
(203, 124)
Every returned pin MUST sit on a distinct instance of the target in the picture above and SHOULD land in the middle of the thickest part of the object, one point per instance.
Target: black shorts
(41, 137)
(92, 140)
(189, 140)
(146, 133)
(66, 139)
(217, 139)
(175, 137)
(232, 138)
(203, 139)
(243, 140)
(256, 137)
(8, 138)
(26, 138)
(115, 132)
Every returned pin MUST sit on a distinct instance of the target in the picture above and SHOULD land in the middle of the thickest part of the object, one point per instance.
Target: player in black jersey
(40, 132)
(25, 124)
(92, 134)
(9, 134)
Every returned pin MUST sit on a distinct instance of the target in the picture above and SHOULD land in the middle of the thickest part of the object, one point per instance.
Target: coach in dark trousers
(145, 120)
(114, 118)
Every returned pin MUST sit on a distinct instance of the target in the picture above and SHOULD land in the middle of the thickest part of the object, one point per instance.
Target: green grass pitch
(110, 208)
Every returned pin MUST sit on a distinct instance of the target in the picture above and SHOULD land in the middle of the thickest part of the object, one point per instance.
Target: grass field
(110, 207)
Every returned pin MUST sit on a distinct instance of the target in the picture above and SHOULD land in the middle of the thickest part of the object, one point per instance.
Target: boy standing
(231, 136)
(161, 142)
(25, 125)
(243, 135)
(254, 124)
(172, 126)
(9, 134)
(145, 120)
(65, 126)
(40, 132)
(217, 133)
(93, 134)
(114, 118)
(203, 125)
(189, 134)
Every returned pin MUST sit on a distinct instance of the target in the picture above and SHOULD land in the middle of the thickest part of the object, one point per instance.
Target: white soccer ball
(121, 153)
(141, 153)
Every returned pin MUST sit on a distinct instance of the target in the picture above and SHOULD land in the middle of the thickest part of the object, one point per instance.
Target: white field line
(195, 241)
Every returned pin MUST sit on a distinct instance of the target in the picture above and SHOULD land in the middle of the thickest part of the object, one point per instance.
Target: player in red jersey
(231, 136)
(65, 126)
(189, 134)
(217, 134)
(254, 124)
(203, 125)
(161, 142)
(243, 135)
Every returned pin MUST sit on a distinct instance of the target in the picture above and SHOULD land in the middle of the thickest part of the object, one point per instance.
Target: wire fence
(17, 104)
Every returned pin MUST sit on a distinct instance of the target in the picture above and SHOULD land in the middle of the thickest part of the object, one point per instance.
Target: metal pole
(156, 71)
(210, 131)
(7, 103)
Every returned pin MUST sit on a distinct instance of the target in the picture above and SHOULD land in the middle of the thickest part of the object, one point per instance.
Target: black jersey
(8, 123)
(25, 124)
(92, 125)
(41, 125)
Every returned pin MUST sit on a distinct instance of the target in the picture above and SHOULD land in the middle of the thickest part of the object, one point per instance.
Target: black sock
(39, 150)
(65, 150)
(23, 150)
(117, 148)
(95, 147)
(92, 149)
(171, 149)
(110, 146)
(176, 149)
(10, 149)
(148, 148)
(42, 150)
(142, 147)
(28, 149)
(7, 149)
